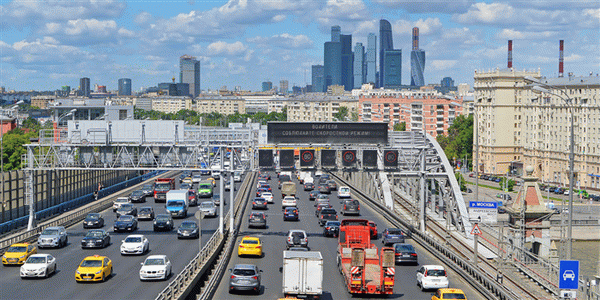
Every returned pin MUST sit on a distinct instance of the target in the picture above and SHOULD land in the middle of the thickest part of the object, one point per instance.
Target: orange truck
(161, 187)
(365, 269)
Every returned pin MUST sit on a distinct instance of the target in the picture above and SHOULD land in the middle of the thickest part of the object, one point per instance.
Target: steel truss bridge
(170, 145)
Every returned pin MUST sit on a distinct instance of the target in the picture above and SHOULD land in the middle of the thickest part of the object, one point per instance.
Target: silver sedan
(208, 208)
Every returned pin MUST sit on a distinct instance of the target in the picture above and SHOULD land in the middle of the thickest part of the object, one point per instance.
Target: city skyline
(47, 45)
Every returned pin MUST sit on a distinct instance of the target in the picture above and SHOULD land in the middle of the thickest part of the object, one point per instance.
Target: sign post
(476, 232)
(199, 215)
(568, 278)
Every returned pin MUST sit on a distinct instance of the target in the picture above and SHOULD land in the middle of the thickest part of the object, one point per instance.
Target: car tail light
(327, 228)
(425, 273)
(255, 277)
(358, 208)
(253, 202)
(232, 276)
(397, 254)
(258, 247)
(413, 254)
(336, 217)
(344, 206)
(241, 246)
(289, 239)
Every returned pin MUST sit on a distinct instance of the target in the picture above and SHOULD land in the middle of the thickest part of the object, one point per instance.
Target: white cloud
(440, 65)
(86, 31)
(524, 35)
(143, 18)
(427, 26)
(284, 40)
(223, 48)
(233, 68)
(46, 51)
(427, 6)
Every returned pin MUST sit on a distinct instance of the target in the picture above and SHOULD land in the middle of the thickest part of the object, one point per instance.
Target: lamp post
(540, 87)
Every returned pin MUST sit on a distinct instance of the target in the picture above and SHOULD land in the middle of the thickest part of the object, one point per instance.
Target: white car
(196, 178)
(288, 201)
(120, 201)
(155, 267)
(432, 277)
(260, 183)
(135, 244)
(344, 192)
(237, 176)
(268, 196)
(38, 265)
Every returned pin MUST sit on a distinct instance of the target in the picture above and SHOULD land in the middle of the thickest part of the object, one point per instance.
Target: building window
(122, 114)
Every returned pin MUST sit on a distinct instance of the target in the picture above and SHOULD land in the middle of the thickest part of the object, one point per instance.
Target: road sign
(348, 157)
(486, 212)
(199, 215)
(568, 278)
(476, 230)
(307, 157)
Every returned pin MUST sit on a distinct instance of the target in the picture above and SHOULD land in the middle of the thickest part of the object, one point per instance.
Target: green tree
(400, 126)
(461, 181)
(459, 141)
(13, 142)
(341, 114)
(354, 116)
(510, 186)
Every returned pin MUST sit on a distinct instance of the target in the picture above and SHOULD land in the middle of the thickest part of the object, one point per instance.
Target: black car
(332, 185)
(324, 189)
(148, 190)
(259, 191)
(137, 196)
(126, 223)
(266, 186)
(309, 186)
(331, 228)
(290, 213)
(96, 238)
(163, 222)
(127, 209)
(350, 207)
(188, 229)
(257, 219)
(93, 220)
(146, 213)
(313, 195)
(259, 203)
(405, 253)
(283, 178)
(327, 214)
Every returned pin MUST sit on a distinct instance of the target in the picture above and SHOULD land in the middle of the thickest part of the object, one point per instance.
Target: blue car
(392, 236)
(125, 223)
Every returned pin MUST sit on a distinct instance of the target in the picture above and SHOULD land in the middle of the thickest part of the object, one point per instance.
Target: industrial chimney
(509, 54)
(415, 38)
(561, 58)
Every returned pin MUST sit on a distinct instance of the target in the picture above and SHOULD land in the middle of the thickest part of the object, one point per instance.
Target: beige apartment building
(171, 104)
(226, 105)
(318, 107)
(518, 127)
(42, 101)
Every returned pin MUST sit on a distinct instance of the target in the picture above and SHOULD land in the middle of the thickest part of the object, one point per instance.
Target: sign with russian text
(327, 132)
(486, 212)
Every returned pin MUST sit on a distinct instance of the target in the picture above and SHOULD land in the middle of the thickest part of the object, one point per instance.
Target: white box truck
(177, 203)
(303, 274)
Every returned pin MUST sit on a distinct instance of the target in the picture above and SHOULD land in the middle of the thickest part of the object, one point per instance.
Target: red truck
(161, 187)
(365, 270)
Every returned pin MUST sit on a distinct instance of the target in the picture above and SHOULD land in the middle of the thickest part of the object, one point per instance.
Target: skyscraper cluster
(351, 69)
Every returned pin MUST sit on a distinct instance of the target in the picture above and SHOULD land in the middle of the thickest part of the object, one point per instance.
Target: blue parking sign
(568, 278)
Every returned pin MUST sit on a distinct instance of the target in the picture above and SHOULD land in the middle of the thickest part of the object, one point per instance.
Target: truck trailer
(303, 274)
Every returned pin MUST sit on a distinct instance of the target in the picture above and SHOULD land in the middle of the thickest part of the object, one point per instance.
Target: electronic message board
(327, 133)
(265, 158)
(286, 159)
(348, 157)
(370, 158)
(307, 157)
(328, 158)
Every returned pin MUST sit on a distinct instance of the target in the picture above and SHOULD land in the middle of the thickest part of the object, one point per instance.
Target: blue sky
(47, 44)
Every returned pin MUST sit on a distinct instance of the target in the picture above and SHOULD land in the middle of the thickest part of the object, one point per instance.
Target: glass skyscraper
(371, 59)
(347, 62)
(84, 87)
(359, 65)
(318, 77)
(189, 72)
(267, 86)
(385, 43)
(392, 69)
(335, 33)
(124, 87)
(417, 61)
(332, 59)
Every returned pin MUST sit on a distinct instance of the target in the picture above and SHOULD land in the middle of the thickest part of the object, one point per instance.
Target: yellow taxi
(18, 253)
(443, 294)
(214, 182)
(250, 246)
(187, 180)
(94, 268)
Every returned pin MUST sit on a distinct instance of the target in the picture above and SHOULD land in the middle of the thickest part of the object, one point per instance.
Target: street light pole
(537, 87)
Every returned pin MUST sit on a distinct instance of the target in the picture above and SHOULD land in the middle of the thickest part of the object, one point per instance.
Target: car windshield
(404, 248)
(298, 234)
(256, 216)
(207, 204)
(197, 176)
(204, 186)
(126, 207)
(91, 263)
(92, 217)
(162, 187)
(188, 225)
(328, 211)
(133, 239)
(162, 218)
(454, 296)
(94, 234)
(36, 260)
(145, 210)
(253, 242)
(137, 193)
(436, 273)
(154, 262)
(394, 231)
(333, 224)
(267, 195)
(125, 218)
(121, 200)
(17, 249)
(175, 203)
(50, 232)
(244, 272)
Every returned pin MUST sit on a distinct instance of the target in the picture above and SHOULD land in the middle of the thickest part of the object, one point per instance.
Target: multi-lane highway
(125, 282)
(273, 239)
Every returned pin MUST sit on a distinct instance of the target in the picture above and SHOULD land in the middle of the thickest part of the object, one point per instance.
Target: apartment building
(226, 105)
(319, 107)
(171, 104)
(518, 127)
(428, 111)
(42, 101)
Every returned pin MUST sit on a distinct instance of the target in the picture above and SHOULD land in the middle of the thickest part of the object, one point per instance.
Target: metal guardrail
(69, 218)
(183, 283)
(482, 281)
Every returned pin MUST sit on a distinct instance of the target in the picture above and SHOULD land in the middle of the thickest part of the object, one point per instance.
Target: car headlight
(22, 256)
(3, 256)
(168, 222)
(41, 269)
(99, 272)
(77, 272)
(138, 247)
(161, 271)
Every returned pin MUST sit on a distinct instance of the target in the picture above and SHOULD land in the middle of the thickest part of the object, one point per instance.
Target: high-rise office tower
(267, 86)
(332, 63)
(347, 61)
(189, 72)
(392, 69)
(284, 86)
(417, 61)
(335, 33)
(385, 43)
(318, 77)
(124, 87)
(371, 58)
(359, 65)
(84, 86)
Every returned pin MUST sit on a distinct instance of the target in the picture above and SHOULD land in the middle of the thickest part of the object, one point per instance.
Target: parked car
(290, 213)
(188, 229)
(244, 277)
(127, 209)
(137, 196)
(350, 207)
(296, 237)
(146, 213)
(257, 219)
(163, 222)
(405, 253)
(259, 203)
(93, 220)
(53, 237)
(432, 277)
(96, 238)
(156, 267)
(331, 228)
(125, 223)
(327, 214)
(392, 236)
